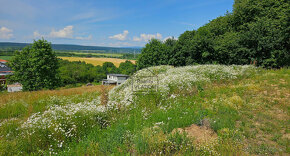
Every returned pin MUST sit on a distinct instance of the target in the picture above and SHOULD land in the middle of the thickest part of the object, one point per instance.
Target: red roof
(3, 60)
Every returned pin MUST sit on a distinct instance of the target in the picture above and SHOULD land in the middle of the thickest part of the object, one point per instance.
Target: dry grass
(104, 95)
(266, 113)
(199, 134)
(36, 95)
(97, 61)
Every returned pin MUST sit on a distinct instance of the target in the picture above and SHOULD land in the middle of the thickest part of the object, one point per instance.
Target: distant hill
(70, 47)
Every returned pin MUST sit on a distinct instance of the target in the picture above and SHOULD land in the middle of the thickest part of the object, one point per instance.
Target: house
(4, 71)
(115, 79)
(16, 87)
(3, 61)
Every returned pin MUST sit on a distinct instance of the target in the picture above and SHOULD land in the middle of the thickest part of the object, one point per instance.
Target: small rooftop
(118, 75)
(15, 85)
(3, 61)
(4, 68)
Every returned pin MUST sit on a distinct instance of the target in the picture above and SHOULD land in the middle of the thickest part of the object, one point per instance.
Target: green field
(198, 110)
(99, 54)
(6, 57)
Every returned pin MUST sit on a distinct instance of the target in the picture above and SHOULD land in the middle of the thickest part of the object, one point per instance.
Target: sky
(114, 23)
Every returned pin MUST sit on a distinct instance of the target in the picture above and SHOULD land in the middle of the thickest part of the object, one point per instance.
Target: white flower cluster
(180, 77)
(62, 120)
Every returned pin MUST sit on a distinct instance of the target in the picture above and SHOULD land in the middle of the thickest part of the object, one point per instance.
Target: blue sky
(120, 23)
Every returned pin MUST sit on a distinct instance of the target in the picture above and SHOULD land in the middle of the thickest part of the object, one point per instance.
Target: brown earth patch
(200, 134)
(286, 136)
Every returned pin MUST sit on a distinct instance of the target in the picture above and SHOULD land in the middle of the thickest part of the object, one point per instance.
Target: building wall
(14, 89)
(117, 79)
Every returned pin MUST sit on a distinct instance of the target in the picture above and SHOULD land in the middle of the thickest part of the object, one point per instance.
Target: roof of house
(4, 61)
(15, 85)
(118, 75)
(4, 68)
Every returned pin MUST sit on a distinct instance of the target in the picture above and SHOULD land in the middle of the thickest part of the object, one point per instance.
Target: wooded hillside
(256, 32)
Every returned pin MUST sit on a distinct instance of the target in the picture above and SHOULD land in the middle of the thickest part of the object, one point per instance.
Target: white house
(115, 79)
(16, 87)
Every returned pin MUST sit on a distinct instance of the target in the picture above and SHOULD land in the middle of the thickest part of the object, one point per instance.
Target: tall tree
(182, 51)
(109, 67)
(151, 54)
(256, 31)
(127, 67)
(36, 67)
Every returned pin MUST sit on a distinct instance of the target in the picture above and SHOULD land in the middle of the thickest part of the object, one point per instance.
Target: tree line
(256, 32)
(37, 67)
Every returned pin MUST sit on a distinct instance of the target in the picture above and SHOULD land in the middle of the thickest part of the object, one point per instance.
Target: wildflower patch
(146, 83)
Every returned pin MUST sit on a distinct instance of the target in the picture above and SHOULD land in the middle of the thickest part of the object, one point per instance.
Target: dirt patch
(286, 136)
(198, 133)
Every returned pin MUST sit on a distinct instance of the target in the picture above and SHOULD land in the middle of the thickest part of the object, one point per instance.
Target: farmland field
(6, 57)
(97, 61)
(98, 54)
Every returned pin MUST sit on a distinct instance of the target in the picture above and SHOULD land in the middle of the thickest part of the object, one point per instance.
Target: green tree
(151, 55)
(182, 51)
(36, 67)
(109, 68)
(127, 68)
(169, 45)
(99, 73)
(256, 31)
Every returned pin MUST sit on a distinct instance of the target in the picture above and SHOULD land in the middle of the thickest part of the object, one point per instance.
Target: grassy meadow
(198, 110)
(97, 61)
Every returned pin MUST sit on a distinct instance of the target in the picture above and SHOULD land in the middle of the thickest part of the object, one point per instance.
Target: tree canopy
(255, 32)
(36, 67)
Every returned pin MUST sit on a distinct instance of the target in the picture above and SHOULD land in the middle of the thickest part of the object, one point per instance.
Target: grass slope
(247, 110)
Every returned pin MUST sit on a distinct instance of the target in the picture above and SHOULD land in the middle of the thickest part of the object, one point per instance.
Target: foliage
(109, 67)
(35, 67)
(80, 72)
(77, 72)
(256, 32)
(127, 68)
(151, 54)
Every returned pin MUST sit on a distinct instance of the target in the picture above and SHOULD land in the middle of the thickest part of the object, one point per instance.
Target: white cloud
(120, 37)
(90, 37)
(66, 32)
(147, 37)
(36, 34)
(120, 44)
(6, 33)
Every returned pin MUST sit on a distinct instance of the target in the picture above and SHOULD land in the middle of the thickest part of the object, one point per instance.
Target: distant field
(98, 54)
(6, 57)
(97, 61)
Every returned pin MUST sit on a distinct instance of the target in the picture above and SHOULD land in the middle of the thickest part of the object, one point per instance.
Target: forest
(256, 32)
